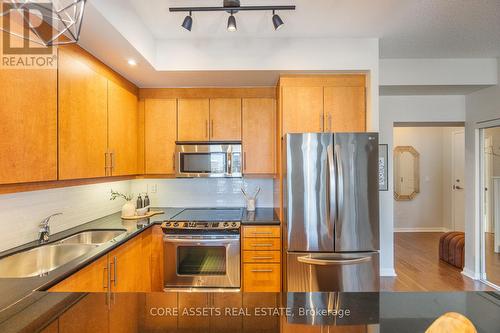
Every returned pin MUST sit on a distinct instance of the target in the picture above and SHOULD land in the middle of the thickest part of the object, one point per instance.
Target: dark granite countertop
(16, 292)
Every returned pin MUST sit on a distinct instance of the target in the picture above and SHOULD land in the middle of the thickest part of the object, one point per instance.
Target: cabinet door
(345, 109)
(124, 313)
(193, 120)
(82, 119)
(127, 267)
(28, 106)
(259, 126)
(92, 278)
(122, 130)
(90, 314)
(225, 119)
(160, 133)
(302, 109)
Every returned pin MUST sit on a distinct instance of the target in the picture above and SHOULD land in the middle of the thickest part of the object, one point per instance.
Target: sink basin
(94, 237)
(41, 260)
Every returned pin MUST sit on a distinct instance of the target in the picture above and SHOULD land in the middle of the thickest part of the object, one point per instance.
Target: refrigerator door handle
(330, 262)
(332, 187)
(339, 180)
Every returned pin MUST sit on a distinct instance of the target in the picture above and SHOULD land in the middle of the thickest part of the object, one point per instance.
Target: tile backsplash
(20, 213)
(204, 192)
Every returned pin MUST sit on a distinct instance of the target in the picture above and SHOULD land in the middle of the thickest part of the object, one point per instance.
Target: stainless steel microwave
(208, 159)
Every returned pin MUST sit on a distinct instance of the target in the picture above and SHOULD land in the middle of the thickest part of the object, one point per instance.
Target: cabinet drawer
(261, 278)
(261, 244)
(261, 256)
(261, 232)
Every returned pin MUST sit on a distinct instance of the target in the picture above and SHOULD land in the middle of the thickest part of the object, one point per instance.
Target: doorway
(490, 205)
(457, 175)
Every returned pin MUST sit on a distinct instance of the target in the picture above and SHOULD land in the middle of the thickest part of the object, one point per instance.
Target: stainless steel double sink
(41, 260)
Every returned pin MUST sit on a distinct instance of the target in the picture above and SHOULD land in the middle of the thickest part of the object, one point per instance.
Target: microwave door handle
(332, 262)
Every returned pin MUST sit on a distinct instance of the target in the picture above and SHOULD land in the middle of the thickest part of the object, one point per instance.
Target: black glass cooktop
(209, 214)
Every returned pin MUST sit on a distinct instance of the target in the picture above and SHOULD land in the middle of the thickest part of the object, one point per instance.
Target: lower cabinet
(90, 314)
(261, 259)
(125, 269)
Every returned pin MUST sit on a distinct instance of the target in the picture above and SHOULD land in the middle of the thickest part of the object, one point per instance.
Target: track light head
(231, 23)
(277, 21)
(188, 22)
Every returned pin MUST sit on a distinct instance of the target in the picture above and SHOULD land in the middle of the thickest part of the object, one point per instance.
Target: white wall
(407, 109)
(427, 211)
(215, 192)
(481, 106)
(20, 213)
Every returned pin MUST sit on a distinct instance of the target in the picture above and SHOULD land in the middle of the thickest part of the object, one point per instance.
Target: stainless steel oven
(208, 159)
(200, 255)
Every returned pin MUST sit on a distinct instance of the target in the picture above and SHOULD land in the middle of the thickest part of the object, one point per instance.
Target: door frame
(479, 197)
(462, 130)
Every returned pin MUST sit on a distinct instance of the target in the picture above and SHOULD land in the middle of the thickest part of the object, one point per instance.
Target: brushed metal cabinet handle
(206, 129)
(245, 161)
(261, 270)
(115, 281)
(105, 278)
(262, 245)
(262, 258)
(212, 129)
(330, 122)
(262, 233)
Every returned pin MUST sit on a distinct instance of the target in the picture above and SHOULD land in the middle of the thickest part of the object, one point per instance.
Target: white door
(488, 185)
(458, 195)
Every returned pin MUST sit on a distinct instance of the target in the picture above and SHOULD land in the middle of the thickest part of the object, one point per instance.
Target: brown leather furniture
(451, 248)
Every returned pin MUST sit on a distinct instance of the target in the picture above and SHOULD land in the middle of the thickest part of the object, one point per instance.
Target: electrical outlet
(154, 188)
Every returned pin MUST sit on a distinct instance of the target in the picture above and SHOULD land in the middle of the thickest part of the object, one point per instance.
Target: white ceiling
(406, 28)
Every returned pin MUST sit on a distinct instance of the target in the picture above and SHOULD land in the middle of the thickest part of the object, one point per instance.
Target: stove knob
(167, 224)
(234, 224)
(176, 224)
(225, 225)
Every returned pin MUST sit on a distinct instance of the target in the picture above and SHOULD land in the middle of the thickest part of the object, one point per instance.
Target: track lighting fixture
(232, 7)
(231, 23)
(188, 22)
(277, 21)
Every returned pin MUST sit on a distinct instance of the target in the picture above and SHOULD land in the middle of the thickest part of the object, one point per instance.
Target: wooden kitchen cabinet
(90, 314)
(193, 117)
(259, 135)
(92, 278)
(83, 114)
(124, 313)
(261, 258)
(302, 109)
(345, 109)
(160, 135)
(225, 119)
(28, 102)
(122, 130)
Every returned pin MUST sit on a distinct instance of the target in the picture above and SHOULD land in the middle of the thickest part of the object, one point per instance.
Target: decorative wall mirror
(406, 173)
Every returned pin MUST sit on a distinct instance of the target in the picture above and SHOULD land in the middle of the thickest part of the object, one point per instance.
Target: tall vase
(128, 209)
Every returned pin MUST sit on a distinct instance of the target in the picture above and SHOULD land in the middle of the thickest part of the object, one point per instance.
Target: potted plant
(128, 209)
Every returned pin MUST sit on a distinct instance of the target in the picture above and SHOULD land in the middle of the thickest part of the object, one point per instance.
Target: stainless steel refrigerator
(331, 212)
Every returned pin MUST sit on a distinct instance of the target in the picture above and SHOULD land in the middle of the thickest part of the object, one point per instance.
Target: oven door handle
(198, 240)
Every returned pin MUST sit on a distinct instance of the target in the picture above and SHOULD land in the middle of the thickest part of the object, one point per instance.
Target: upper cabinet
(203, 119)
(302, 109)
(83, 127)
(193, 119)
(259, 135)
(29, 125)
(225, 119)
(323, 103)
(160, 135)
(122, 130)
(98, 119)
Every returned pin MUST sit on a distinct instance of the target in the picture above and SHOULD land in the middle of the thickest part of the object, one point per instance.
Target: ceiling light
(188, 22)
(132, 62)
(277, 21)
(231, 23)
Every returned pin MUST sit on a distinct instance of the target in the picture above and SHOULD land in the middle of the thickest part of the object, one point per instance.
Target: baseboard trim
(470, 274)
(436, 229)
(388, 272)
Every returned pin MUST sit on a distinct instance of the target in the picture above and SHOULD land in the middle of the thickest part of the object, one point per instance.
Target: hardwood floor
(492, 260)
(418, 267)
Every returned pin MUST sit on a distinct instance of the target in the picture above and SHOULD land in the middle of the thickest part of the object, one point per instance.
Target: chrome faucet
(44, 231)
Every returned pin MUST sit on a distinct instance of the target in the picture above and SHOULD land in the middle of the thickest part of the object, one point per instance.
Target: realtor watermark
(21, 26)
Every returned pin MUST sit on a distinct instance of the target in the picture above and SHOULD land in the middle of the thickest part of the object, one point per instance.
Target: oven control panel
(190, 225)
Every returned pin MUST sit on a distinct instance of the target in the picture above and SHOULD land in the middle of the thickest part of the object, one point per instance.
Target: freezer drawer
(325, 272)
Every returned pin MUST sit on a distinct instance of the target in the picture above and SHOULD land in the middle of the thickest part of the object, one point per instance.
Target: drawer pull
(261, 270)
(262, 258)
(262, 245)
(262, 233)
